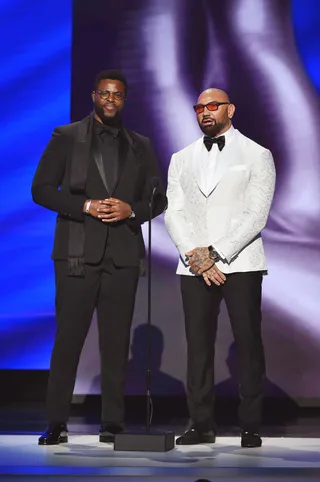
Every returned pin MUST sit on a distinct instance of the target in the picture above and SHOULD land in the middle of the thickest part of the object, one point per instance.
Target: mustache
(208, 117)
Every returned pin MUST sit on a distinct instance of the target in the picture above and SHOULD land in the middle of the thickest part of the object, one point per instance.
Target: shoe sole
(62, 440)
(197, 443)
(106, 439)
(247, 446)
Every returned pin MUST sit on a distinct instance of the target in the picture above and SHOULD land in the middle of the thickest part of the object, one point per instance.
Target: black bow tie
(102, 129)
(209, 141)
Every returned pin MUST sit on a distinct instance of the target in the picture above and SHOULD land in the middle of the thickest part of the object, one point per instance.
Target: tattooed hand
(215, 275)
(199, 260)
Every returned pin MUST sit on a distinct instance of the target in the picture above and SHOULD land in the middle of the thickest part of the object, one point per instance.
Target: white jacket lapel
(196, 164)
(223, 162)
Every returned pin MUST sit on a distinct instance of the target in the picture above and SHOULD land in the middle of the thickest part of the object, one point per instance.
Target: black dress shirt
(107, 139)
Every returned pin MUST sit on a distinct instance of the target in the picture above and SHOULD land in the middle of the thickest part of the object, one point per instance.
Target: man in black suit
(98, 177)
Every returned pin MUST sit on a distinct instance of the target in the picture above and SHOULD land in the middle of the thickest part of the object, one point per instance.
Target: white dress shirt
(208, 163)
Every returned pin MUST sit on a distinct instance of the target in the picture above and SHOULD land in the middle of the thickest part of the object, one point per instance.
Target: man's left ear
(231, 110)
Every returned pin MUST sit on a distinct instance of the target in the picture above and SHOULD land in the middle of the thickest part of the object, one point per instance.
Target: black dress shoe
(193, 437)
(56, 433)
(108, 431)
(250, 439)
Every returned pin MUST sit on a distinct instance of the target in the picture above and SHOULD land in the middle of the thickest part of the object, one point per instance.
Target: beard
(113, 120)
(213, 130)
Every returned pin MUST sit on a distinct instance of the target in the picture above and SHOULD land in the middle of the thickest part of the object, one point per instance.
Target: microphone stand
(148, 440)
(149, 303)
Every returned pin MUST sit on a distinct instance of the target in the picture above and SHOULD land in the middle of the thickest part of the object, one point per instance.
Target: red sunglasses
(199, 108)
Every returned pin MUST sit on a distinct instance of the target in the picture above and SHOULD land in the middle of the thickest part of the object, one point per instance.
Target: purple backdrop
(170, 51)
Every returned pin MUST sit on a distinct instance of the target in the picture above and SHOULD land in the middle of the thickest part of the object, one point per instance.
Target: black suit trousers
(111, 290)
(201, 303)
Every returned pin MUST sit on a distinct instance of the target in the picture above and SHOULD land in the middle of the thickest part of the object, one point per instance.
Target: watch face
(214, 255)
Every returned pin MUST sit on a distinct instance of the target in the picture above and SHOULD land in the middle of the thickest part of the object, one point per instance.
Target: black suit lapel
(96, 152)
(85, 149)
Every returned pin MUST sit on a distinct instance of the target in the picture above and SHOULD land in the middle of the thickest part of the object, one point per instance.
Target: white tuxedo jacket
(233, 214)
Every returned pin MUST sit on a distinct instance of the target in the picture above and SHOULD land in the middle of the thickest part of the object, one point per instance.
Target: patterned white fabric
(235, 210)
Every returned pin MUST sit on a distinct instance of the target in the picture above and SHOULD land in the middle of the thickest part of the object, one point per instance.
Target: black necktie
(209, 141)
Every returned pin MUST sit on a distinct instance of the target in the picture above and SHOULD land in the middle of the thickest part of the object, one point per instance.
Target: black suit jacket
(70, 149)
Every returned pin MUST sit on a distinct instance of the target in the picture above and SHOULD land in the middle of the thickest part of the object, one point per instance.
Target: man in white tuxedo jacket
(220, 190)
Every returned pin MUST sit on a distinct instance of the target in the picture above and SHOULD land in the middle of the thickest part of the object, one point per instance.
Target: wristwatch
(132, 214)
(213, 254)
(88, 203)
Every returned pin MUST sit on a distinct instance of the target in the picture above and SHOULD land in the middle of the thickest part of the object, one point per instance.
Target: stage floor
(84, 457)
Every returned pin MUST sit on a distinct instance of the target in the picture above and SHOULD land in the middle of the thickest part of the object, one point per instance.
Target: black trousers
(111, 291)
(201, 303)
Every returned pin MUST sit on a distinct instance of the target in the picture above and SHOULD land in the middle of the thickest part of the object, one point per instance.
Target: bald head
(214, 119)
(215, 94)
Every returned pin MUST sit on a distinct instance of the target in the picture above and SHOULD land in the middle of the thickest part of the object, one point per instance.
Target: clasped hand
(199, 260)
(110, 210)
(201, 264)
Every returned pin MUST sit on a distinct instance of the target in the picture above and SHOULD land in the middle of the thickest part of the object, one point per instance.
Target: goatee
(213, 131)
(108, 121)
